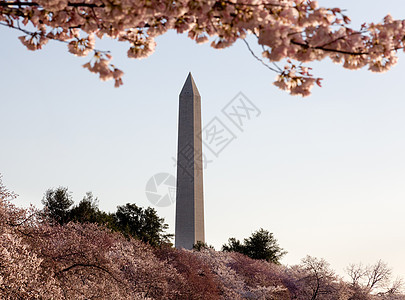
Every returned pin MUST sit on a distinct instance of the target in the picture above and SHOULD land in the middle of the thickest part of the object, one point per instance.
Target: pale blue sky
(325, 174)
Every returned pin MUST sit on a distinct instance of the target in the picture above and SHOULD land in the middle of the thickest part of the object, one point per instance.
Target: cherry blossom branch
(306, 46)
(22, 221)
(84, 265)
(100, 64)
(70, 4)
(18, 3)
(50, 37)
(91, 266)
(288, 29)
(344, 37)
(258, 5)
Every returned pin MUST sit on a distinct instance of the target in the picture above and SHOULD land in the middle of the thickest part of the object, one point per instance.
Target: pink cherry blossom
(39, 260)
(287, 29)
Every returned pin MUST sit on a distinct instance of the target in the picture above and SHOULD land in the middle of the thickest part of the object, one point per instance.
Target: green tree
(129, 219)
(87, 211)
(234, 245)
(261, 245)
(57, 203)
(140, 223)
(201, 246)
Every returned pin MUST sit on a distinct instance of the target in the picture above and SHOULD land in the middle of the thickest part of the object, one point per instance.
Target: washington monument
(189, 192)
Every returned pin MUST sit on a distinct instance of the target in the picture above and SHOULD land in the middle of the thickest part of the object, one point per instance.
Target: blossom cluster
(285, 29)
(41, 260)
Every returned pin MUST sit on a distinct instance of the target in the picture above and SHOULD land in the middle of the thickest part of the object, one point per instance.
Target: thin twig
(258, 58)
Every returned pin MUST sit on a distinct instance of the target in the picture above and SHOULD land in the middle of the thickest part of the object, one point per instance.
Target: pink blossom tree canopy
(42, 260)
(292, 31)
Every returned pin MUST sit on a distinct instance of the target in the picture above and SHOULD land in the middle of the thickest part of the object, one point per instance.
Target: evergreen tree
(143, 224)
(87, 211)
(261, 245)
(56, 205)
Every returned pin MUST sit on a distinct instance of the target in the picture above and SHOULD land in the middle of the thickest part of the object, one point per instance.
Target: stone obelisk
(189, 190)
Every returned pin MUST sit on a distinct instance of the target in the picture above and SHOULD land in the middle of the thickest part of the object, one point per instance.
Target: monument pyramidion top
(189, 87)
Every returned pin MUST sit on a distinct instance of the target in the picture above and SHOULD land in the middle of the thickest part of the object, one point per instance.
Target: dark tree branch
(306, 46)
(259, 59)
(21, 3)
(90, 266)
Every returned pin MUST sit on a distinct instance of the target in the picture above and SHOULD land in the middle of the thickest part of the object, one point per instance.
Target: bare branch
(378, 274)
(259, 59)
(356, 273)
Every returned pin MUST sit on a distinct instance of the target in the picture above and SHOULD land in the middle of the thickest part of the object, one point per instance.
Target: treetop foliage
(56, 205)
(261, 245)
(199, 246)
(129, 219)
(141, 223)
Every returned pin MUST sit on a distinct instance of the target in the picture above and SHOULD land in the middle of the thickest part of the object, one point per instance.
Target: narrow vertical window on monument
(189, 192)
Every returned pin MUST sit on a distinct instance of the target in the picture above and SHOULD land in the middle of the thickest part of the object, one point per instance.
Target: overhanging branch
(21, 4)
